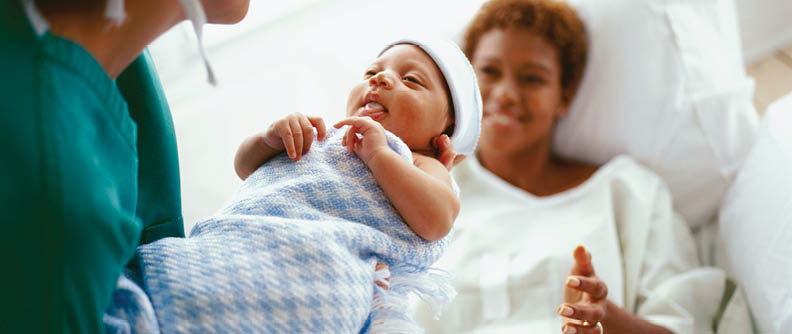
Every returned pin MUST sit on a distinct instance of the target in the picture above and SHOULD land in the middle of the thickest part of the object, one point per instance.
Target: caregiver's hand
(372, 137)
(585, 302)
(444, 152)
(295, 134)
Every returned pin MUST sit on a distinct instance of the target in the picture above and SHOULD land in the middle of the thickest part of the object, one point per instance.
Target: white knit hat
(462, 84)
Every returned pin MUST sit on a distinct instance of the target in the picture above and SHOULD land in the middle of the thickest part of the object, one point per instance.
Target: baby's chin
(377, 115)
(426, 152)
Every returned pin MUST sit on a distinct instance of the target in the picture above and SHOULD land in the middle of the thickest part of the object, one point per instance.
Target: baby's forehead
(405, 55)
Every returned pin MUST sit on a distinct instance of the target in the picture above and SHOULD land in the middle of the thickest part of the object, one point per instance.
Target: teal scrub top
(89, 171)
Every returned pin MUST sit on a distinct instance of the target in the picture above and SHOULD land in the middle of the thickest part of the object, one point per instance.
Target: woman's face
(520, 81)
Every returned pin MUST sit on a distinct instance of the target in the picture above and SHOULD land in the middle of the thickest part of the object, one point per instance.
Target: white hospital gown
(511, 253)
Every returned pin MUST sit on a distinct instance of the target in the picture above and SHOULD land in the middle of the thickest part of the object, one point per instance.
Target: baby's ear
(449, 130)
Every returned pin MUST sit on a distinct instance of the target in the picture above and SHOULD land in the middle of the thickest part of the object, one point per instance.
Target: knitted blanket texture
(294, 251)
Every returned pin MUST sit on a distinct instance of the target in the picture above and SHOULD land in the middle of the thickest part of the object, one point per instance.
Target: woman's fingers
(573, 328)
(458, 159)
(445, 151)
(589, 313)
(593, 286)
(582, 264)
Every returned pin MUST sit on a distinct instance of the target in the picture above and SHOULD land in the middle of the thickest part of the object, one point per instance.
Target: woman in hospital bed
(515, 253)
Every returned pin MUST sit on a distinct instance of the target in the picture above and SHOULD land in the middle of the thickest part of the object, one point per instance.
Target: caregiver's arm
(70, 223)
(293, 133)
(421, 192)
(585, 299)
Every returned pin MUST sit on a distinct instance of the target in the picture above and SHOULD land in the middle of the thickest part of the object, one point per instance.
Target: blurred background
(305, 55)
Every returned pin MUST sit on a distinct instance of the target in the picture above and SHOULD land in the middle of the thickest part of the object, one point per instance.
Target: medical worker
(89, 166)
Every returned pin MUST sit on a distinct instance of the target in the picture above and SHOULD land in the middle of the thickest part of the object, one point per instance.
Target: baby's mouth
(375, 110)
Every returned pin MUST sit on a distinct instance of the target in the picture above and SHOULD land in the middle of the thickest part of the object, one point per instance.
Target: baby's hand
(295, 134)
(372, 141)
(444, 152)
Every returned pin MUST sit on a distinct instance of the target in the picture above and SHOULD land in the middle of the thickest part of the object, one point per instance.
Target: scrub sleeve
(85, 178)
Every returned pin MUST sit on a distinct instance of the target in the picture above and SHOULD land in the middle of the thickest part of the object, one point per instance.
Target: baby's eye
(370, 73)
(411, 79)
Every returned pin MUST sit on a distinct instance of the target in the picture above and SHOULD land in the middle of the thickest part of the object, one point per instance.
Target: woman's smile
(504, 117)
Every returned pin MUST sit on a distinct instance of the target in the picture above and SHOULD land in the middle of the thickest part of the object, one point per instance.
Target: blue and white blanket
(294, 252)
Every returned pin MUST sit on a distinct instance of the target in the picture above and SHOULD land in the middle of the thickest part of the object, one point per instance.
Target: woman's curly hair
(556, 21)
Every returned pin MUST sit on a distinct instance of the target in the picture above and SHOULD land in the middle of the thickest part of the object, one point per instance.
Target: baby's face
(405, 91)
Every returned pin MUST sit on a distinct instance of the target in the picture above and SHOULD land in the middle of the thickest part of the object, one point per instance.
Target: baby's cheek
(355, 99)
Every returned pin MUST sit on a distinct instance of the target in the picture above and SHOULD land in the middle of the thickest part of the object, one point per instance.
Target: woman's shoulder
(629, 178)
(622, 174)
(628, 168)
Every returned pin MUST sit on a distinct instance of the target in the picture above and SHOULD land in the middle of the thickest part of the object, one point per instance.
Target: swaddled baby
(295, 250)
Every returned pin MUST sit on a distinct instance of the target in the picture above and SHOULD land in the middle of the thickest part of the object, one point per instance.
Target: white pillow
(664, 83)
(755, 233)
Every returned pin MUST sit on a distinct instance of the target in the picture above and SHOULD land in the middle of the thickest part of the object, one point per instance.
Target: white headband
(462, 85)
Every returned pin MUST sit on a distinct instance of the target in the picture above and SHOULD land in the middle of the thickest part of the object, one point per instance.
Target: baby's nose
(381, 79)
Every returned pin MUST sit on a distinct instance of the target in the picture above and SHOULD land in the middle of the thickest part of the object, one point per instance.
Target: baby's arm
(421, 192)
(294, 133)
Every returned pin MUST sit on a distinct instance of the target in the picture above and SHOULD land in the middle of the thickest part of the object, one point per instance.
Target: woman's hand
(444, 152)
(295, 134)
(585, 302)
(372, 137)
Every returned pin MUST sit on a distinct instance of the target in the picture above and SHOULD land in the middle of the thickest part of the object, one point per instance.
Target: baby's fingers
(362, 123)
(595, 287)
(297, 135)
(350, 138)
(319, 124)
(285, 133)
(307, 134)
